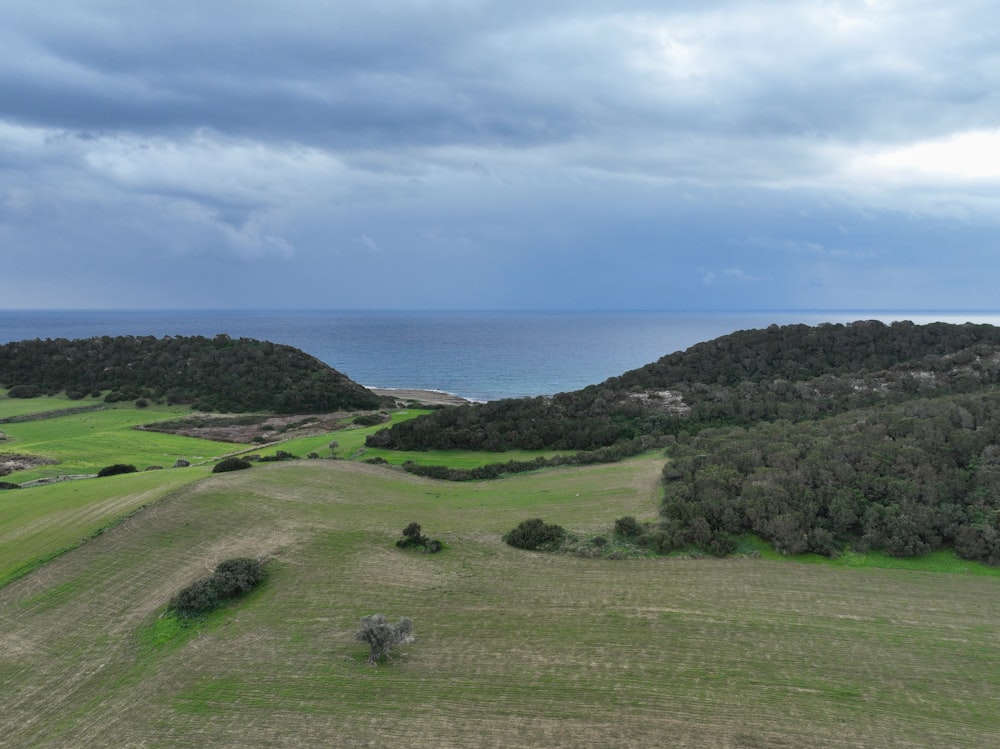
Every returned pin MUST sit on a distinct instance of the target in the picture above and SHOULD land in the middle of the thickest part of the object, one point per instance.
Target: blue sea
(478, 355)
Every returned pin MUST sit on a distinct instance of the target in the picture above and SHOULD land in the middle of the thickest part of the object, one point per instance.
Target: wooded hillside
(216, 374)
(861, 436)
(792, 372)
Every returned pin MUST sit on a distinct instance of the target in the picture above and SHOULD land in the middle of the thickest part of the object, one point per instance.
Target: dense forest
(793, 372)
(905, 480)
(212, 374)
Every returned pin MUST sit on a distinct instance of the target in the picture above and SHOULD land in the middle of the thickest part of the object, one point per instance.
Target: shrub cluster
(280, 455)
(370, 420)
(414, 538)
(536, 535)
(232, 578)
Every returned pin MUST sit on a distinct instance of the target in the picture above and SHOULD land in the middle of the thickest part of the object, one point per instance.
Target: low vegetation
(414, 538)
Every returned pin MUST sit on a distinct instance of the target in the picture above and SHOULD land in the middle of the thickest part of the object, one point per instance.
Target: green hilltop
(213, 374)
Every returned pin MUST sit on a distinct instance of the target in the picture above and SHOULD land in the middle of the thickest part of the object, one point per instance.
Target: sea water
(477, 355)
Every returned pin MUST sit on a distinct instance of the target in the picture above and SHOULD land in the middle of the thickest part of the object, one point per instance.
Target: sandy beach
(430, 397)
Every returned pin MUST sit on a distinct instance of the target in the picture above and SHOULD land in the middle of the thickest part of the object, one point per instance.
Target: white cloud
(969, 156)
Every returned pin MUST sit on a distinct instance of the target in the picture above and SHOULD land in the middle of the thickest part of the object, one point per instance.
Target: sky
(447, 154)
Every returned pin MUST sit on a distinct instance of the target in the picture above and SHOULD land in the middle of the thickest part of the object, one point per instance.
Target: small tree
(382, 635)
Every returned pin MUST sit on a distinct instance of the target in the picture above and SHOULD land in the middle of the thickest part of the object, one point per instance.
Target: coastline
(430, 397)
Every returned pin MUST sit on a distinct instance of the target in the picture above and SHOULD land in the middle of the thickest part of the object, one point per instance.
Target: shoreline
(430, 397)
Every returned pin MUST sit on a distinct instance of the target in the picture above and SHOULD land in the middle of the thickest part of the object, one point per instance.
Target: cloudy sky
(450, 154)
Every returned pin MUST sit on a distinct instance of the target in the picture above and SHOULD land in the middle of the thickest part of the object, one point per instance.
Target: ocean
(477, 355)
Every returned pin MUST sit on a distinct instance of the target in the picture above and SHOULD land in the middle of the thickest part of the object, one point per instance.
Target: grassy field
(83, 443)
(351, 446)
(513, 649)
(38, 524)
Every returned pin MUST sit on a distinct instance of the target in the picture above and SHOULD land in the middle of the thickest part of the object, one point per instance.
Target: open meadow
(83, 436)
(513, 648)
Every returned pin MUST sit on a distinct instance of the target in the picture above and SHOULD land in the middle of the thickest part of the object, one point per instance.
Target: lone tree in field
(382, 636)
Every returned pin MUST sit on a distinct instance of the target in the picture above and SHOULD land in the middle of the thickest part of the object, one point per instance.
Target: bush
(232, 578)
(230, 464)
(197, 598)
(24, 391)
(116, 469)
(280, 455)
(536, 535)
(237, 577)
(628, 527)
(413, 537)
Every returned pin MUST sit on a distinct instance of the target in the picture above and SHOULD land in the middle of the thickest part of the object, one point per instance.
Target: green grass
(351, 446)
(41, 523)
(22, 406)
(513, 648)
(83, 443)
(942, 560)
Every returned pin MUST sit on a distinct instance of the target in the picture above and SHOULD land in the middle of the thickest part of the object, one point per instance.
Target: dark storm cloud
(739, 153)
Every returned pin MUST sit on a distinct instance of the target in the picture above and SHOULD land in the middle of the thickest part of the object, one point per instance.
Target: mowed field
(87, 441)
(513, 649)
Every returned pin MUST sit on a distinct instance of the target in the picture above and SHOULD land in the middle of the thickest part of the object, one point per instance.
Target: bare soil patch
(254, 428)
(10, 462)
(251, 428)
